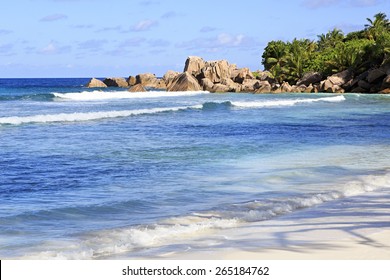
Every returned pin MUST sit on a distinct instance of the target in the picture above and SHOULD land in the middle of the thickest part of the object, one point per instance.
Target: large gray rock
(385, 91)
(310, 78)
(363, 84)
(233, 87)
(147, 80)
(116, 82)
(250, 85)
(376, 74)
(298, 89)
(358, 90)
(239, 75)
(150, 80)
(265, 87)
(338, 82)
(220, 88)
(386, 82)
(207, 84)
(184, 82)
(326, 85)
(194, 64)
(131, 81)
(169, 76)
(160, 84)
(265, 76)
(95, 83)
(309, 89)
(215, 71)
(285, 87)
(341, 78)
(137, 88)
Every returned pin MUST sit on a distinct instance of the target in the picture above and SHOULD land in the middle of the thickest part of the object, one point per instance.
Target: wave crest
(89, 116)
(107, 95)
(281, 103)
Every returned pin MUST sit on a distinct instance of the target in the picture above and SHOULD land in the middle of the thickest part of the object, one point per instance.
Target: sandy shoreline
(355, 228)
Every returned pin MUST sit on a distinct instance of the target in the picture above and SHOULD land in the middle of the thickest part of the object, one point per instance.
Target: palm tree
(376, 27)
(350, 55)
(299, 56)
(275, 58)
(330, 39)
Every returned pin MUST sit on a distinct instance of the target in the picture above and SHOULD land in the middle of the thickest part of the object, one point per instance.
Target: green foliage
(378, 26)
(331, 39)
(332, 52)
(275, 58)
(352, 55)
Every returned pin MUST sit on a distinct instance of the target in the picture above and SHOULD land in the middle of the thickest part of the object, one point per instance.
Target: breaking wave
(182, 229)
(280, 103)
(89, 116)
(107, 95)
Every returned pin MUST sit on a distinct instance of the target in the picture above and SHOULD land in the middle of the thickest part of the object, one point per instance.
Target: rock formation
(193, 65)
(131, 81)
(95, 83)
(184, 82)
(116, 82)
(221, 76)
(215, 71)
(310, 78)
(239, 75)
(137, 88)
(169, 76)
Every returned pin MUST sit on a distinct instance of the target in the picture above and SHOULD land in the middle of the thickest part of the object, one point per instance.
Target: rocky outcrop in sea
(221, 76)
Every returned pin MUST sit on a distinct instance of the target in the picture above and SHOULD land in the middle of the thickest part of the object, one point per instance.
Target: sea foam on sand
(356, 227)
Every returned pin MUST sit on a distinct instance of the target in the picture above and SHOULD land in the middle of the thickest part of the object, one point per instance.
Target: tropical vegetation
(331, 52)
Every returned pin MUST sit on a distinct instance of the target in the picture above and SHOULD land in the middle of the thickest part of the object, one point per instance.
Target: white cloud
(6, 48)
(143, 25)
(170, 14)
(49, 49)
(108, 29)
(53, 17)
(221, 41)
(54, 48)
(316, 4)
(149, 3)
(132, 42)
(158, 43)
(225, 39)
(83, 26)
(5, 31)
(92, 45)
(365, 3)
(206, 29)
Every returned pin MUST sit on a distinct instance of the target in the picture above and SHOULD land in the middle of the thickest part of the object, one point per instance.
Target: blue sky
(100, 38)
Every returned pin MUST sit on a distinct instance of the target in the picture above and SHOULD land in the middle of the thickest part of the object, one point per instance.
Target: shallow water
(91, 174)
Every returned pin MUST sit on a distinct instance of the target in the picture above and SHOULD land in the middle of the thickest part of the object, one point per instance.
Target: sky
(101, 38)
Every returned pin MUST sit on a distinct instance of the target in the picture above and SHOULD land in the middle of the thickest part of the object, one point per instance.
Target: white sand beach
(354, 228)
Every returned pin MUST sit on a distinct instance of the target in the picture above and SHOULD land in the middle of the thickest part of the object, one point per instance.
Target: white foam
(77, 117)
(107, 95)
(259, 210)
(279, 103)
(110, 242)
(185, 229)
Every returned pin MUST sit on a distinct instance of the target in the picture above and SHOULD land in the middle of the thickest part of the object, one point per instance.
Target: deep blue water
(93, 174)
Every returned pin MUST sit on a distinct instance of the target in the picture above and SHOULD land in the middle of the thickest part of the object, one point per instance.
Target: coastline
(353, 228)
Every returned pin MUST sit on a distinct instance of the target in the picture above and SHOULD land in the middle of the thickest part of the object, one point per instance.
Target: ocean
(108, 174)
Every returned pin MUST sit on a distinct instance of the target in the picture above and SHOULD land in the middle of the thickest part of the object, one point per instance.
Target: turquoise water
(98, 174)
